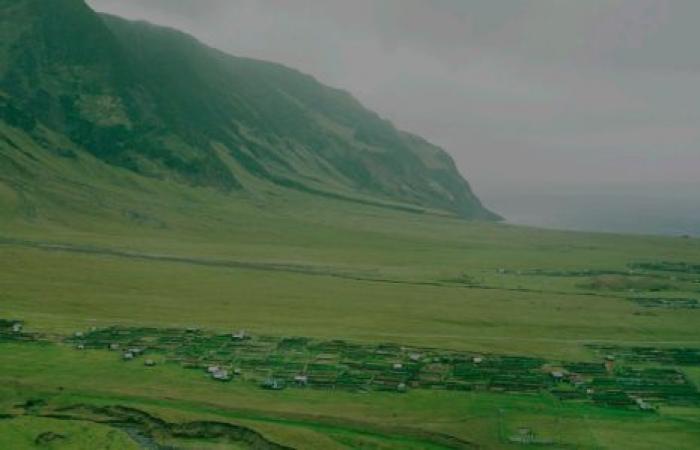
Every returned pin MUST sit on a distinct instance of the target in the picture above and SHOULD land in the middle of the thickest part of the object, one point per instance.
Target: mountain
(158, 103)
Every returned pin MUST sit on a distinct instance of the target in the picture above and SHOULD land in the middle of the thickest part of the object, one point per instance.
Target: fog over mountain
(529, 96)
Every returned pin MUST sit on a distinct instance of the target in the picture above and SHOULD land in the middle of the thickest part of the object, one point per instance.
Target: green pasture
(134, 252)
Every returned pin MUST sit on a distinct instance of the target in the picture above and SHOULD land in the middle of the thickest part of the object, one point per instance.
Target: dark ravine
(143, 427)
(139, 422)
(148, 430)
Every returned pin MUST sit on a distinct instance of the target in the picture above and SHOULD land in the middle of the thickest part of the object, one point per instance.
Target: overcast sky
(524, 94)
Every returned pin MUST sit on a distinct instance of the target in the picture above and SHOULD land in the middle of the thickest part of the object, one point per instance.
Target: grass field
(300, 266)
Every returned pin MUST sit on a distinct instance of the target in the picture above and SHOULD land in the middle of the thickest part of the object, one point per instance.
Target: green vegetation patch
(667, 303)
(668, 266)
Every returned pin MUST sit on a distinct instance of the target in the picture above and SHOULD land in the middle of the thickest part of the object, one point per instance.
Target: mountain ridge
(159, 103)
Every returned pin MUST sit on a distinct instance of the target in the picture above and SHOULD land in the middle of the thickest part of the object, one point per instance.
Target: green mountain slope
(160, 104)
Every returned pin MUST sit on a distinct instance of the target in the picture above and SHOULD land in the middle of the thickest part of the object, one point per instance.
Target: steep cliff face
(161, 104)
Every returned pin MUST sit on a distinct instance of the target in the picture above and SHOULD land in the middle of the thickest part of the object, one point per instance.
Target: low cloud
(523, 94)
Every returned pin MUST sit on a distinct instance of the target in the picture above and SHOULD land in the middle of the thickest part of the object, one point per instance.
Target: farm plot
(277, 363)
(650, 355)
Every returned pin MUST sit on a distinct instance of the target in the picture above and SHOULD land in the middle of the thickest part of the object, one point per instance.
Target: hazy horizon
(671, 211)
(533, 99)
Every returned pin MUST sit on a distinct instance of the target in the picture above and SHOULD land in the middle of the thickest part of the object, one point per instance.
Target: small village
(297, 362)
(642, 378)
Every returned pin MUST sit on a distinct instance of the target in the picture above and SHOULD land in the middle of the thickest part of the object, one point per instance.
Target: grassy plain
(296, 265)
(22, 432)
